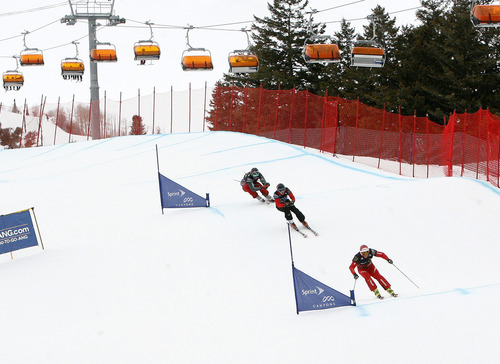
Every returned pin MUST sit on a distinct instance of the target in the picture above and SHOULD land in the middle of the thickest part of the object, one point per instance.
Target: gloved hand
(389, 261)
(267, 185)
(356, 276)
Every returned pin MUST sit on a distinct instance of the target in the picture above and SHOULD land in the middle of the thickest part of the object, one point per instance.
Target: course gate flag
(17, 231)
(311, 294)
(174, 195)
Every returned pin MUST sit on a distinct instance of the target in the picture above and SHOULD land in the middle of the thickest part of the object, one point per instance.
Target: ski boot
(377, 294)
(391, 292)
(260, 199)
(269, 199)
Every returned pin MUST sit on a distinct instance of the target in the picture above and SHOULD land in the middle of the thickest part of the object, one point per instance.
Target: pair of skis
(304, 235)
(382, 297)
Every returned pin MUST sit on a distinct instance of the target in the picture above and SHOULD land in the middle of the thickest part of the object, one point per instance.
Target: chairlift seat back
(320, 53)
(103, 55)
(12, 80)
(146, 51)
(197, 62)
(31, 58)
(72, 66)
(375, 51)
(243, 63)
(486, 15)
(13, 77)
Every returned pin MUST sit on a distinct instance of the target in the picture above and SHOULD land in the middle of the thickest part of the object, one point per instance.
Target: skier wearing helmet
(250, 183)
(285, 202)
(363, 261)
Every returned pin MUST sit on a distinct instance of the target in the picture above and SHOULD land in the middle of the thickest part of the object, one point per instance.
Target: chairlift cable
(340, 6)
(34, 9)
(364, 18)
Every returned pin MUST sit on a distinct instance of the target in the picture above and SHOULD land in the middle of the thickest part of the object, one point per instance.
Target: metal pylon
(93, 11)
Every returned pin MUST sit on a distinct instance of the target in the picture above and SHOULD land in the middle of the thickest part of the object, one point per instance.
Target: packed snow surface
(121, 282)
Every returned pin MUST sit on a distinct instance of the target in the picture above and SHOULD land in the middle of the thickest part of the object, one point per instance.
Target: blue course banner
(16, 232)
(311, 294)
(175, 195)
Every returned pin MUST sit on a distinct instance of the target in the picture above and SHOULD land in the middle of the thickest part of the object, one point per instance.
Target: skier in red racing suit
(363, 261)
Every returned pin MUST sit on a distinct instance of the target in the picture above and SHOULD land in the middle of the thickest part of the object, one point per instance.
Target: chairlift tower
(92, 11)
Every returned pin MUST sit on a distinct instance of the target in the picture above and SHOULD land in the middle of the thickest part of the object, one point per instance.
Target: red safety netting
(469, 144)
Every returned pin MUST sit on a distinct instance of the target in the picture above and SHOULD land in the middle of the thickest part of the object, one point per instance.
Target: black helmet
(280, 186)
(254, 172)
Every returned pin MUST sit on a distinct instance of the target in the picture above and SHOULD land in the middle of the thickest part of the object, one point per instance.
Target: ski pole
(405, 275)
(353, 288)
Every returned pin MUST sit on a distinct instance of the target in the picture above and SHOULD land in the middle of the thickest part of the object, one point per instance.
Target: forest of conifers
(441, 64)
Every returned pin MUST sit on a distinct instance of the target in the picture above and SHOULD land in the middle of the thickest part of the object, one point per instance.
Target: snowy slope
(46, 130)
(120, 282)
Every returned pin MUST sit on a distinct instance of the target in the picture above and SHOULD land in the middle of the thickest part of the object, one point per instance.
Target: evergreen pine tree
(278, 43)
(137, 127)
(340, 78)
(15, 108)
(471, 58)
(10, 138)
(372, 86)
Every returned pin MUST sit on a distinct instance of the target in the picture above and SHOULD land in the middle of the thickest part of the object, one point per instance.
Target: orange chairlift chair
(13, 80)
(324, 52)
(367, 53)
(30, 56)
(146, 50)
(243, 61)
(485, 16)
(194, 59)
(319, 48)
(72, 68)
(103, 52)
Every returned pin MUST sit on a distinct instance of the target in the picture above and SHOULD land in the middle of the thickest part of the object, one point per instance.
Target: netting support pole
(71, 119)
(154, 109)
(400, 139)
(277, 110)
(323, 123)
(217, 107)
(104, 121)
(245, 109)
(231, 108)
(260, 107)
(306, 114)
(171, 108)
(120, 116)
(356, 129)
(478, 141)
(291, 117)
(204, 107)
(452, 139)
(381, 136)
(463, 143)
(189, 95)
(413, 142)
(427, 143)
(57, 118)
